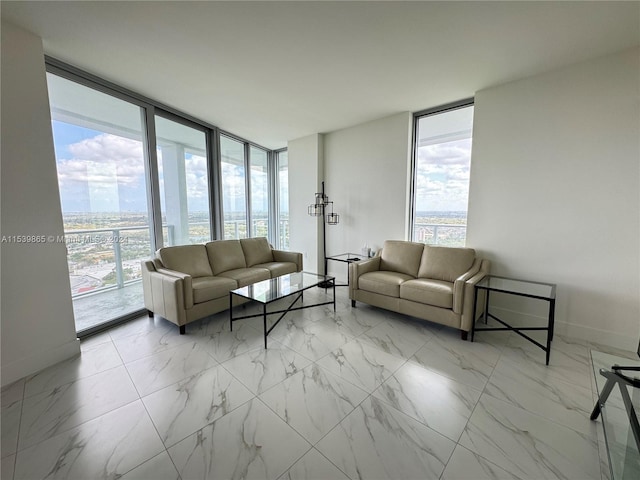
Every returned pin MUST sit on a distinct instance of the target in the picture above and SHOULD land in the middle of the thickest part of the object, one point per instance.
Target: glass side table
(522, 288)
(345, 258)
(619, 414)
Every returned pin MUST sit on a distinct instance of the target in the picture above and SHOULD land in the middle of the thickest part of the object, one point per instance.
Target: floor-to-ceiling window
(234, 187)
(259, 181)
(282, 165)
(184, 182)
(442, 157)
(136, 175)
(102, 174)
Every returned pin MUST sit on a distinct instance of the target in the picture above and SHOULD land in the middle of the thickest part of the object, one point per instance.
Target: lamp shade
(321, 199)
(333, 218)
(315, 210)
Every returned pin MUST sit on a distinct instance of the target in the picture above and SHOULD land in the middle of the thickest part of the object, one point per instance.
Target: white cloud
(450, 153)
(442, 176)
(196, 177)
(103, 160)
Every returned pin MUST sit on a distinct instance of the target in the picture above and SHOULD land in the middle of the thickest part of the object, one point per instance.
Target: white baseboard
(570, 330)
(29, 365)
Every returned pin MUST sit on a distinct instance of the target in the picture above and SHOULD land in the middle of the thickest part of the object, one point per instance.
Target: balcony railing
(107, 258)
(110, 258)
(440, 233)
(103, 259)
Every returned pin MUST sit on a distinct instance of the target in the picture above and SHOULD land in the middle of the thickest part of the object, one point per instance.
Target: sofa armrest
(147, 266)
(360, 268)
(284, 256)
(459, 285)
(468, 313)
(170, 276)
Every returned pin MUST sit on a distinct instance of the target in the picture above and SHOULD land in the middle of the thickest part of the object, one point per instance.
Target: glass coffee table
(274, 289)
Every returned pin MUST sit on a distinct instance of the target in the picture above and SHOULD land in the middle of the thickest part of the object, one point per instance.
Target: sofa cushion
(246, 276)
(431, 292)
(384, 283)
(225, 255)
(403, 257)
(189, 259)
(210, 288)
(445, 263)
(256, 250)
(278, 268)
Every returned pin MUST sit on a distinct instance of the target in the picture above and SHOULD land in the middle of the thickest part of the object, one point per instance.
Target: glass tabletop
(518, 287)
(624, 457)
(347, 257)
(276, 288)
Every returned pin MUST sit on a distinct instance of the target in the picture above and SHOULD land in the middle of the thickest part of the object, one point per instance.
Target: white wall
(555, 191)
(36, 314)
(366, 171)
(306, 167)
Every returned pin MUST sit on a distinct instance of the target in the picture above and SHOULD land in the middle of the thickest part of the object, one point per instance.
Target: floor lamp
(317, 209)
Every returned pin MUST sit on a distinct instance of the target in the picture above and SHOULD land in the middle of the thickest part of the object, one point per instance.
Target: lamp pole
(324, 231)
(320, 205)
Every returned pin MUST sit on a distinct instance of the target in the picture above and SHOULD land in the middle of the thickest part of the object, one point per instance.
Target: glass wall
(102, 174)
(441, 175)
(234, 188)
(184, 183)
(128, 187)
(282, 162)
(259, 180)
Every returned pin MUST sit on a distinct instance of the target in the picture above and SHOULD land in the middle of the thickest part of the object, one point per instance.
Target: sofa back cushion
(445, 263)
(402, 257)
(189, 259)
(256, 250)
(225, 255)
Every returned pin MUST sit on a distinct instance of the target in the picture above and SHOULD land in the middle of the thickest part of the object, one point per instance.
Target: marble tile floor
(354, 394)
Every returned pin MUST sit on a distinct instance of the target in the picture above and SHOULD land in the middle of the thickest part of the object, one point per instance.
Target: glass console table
(345, 258)
(521, 288)
(617, 418)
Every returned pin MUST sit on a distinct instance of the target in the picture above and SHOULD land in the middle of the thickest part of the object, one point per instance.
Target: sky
(102, 172)
(442, 176)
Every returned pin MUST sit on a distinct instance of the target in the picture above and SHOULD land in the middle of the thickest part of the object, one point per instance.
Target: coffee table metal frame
(269, 286)
(522, 288)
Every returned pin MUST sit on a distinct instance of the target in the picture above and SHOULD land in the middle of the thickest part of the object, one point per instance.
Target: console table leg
(334, 296)
(486, 308)
(473, 317)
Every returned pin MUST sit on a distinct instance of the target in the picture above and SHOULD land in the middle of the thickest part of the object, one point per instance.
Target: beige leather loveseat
(188, 282)
(424, 281)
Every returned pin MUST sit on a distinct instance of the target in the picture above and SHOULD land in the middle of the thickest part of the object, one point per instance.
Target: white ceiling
(275, 71)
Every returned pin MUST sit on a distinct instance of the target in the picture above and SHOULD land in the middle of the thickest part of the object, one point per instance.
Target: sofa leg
(183, 329)
(150, 313)
(464, 335)
(353, 303)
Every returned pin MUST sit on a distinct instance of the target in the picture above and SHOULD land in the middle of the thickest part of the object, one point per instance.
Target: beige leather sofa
(429, 282)
(188, 282)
